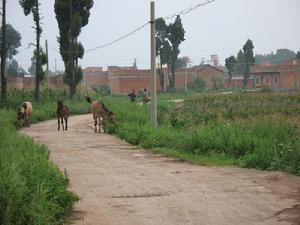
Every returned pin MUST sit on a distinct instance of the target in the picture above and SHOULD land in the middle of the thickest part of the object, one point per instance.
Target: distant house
(238, 82)
(286, 76)
(94, 76)
(122, 79)
(209, 73)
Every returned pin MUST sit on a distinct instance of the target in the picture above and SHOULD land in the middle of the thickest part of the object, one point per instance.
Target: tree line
(71, 16)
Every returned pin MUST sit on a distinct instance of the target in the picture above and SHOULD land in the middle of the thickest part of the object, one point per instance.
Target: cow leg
(58, 123)
(62, 123)
(29, 120)
(95, 123)
(99, 118)
(26, 121)
(66, 121)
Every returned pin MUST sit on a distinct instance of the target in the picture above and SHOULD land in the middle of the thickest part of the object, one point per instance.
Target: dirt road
(119, 184)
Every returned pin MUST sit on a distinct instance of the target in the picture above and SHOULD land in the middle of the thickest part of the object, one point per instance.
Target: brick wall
(207, 73)
(239, 83)
(124, 79)
(277, 76)
(290, 79)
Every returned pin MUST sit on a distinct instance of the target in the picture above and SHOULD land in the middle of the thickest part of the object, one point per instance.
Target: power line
(188, 10)
(118, 39)
(182, 12)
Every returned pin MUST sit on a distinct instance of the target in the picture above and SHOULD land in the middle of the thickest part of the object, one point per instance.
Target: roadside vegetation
(250, 130)
(32, 189)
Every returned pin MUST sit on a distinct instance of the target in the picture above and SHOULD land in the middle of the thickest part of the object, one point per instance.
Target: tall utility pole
(47, 65)
(55, 67)
(186, 88)
(153, 67)
(3, 53)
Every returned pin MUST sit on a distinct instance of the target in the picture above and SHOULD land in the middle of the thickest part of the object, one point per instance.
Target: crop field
(249, 130)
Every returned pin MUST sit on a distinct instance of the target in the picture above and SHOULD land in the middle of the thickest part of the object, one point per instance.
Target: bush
(197, 85)
(32, 189)
(102, 90)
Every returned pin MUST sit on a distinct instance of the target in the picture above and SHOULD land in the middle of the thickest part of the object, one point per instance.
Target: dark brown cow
(62, 113)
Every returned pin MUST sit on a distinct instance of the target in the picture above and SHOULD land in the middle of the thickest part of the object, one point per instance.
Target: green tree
(230, 63)
(281, 56)
(33, 6)
(162, 48)
(12, 68)
(182, 62)
(71, 16)
(13, 41)
(44, 61)
(197, 85)
(298, 55)
(175, 34)
(248, 60)
(218, 83)
(239, 66)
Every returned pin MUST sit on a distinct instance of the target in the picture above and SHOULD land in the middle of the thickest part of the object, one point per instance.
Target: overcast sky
(221, 28)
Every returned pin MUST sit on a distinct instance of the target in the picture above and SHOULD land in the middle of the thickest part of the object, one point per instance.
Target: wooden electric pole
(3, 53)
(47, 65)
(153, 67)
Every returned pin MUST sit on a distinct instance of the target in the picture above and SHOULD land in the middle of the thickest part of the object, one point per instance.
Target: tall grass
(32, 189)
(258, 131)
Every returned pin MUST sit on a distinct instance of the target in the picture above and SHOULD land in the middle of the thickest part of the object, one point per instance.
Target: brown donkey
(100, 112)
(62, 113)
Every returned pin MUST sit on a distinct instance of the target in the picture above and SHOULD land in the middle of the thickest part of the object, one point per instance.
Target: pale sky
(221, 28)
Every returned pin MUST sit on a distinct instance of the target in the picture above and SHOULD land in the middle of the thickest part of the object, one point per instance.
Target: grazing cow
(24, 114)
(100, 112)
(62, 113)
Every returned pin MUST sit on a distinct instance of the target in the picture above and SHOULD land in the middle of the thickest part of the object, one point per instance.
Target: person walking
(132, 96)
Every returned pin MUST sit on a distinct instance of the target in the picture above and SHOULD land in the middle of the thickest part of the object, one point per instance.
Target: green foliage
(279, 57)
(32, 189)
(168, 39)
(71, 17)
(175, 34)
(12, 68)
(33, 6)
(252, 130)
(248, 60)
(43, 61)
(230, 63)
(197, 85)
(239, 68)
(13, 41)
(102, 90)
(218, 83)
(298, 55)
(182, 62)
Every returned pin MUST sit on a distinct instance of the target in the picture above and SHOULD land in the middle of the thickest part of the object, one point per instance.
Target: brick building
(94, 76)
(285, 76)
(122, 79)
(208, 73)
(238, 82)
(21, 82)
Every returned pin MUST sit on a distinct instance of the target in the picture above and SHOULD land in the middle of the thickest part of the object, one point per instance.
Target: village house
(285, 76)
(122, 79)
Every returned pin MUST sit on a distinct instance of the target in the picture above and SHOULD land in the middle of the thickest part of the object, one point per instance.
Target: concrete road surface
(119, 184)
